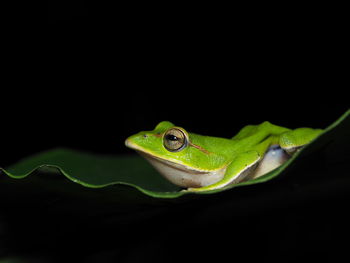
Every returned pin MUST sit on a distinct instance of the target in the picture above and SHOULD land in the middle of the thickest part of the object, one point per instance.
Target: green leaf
(116, 177)
(94, 171)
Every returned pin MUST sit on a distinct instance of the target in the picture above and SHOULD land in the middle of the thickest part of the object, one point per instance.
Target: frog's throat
(183, 175)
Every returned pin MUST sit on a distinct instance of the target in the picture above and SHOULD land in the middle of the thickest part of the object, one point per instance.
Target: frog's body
(201, 163)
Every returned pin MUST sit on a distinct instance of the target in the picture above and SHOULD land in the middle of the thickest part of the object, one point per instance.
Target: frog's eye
(175, 140)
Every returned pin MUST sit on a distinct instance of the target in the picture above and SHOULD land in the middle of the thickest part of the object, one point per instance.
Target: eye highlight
(175, 140)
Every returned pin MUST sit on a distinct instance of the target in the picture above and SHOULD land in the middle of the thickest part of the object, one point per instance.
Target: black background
(103, 71)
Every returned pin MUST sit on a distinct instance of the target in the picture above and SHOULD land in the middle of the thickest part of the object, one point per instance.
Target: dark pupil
(171, 137)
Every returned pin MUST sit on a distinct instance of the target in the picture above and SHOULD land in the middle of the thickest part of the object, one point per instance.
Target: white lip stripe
(182, 176)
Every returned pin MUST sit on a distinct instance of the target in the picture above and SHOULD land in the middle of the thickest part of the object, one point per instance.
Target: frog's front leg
(236, 171)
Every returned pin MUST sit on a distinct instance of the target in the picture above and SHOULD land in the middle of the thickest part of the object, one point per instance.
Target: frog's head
(181, 157)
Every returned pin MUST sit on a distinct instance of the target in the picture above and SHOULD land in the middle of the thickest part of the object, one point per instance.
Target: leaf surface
(105, 172)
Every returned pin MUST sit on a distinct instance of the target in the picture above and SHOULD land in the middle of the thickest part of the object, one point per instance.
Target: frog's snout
(128, 142)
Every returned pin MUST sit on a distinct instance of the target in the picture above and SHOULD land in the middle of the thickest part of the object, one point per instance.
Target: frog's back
(264, 129)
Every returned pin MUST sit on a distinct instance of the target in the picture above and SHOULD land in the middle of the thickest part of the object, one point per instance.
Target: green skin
(213, 155)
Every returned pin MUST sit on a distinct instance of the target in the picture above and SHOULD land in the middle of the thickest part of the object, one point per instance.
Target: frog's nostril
(145, 136)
